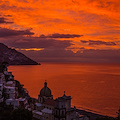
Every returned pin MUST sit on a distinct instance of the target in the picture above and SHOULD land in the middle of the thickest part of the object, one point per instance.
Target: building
(45, 93)
(10, 92)
(37, 114)
(23, 102)
(10, 83)
(2, 78)
(49, 104)
(38, 106)
(13, 102)
(47, 114)
(59, 109)
(63, 110)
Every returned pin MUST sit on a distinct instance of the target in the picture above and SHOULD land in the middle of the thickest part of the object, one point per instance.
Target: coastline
(40, 70)
(91, 115)
(22, 97)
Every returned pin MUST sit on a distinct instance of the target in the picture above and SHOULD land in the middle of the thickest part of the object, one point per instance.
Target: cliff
(14, 57)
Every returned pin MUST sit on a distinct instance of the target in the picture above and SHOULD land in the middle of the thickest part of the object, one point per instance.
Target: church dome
(45, 91)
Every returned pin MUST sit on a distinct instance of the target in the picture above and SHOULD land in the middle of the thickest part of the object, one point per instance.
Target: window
(62, 112)
(56, 112)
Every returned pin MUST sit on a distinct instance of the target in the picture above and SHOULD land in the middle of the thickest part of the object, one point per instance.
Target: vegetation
(21, 114)
(35, 119)
(118, 115)
(20, 89)
(5, 111)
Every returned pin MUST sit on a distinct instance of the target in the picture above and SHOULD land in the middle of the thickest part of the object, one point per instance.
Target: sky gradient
(64, 30)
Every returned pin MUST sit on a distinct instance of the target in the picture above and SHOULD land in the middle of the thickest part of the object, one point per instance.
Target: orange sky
(96, 21)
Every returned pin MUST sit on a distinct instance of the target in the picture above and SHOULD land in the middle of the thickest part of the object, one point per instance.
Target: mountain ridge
(13, 57)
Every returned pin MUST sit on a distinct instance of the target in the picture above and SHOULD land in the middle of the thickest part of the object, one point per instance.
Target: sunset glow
(70, 26)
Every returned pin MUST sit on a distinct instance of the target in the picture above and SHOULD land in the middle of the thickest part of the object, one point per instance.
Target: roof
(45, 110)
(22, 99)
(45, 91)
(9, 87)
(25, 90)
(7, 73)
(10, 82)
(50, 102)
(38, 104)
(37, 112)
(64, 97)
(10, 100)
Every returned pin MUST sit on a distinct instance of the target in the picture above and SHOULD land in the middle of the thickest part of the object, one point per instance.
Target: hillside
(14, 57)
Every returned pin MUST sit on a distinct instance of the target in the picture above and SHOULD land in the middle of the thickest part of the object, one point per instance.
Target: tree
(21, 114)
(118, 115)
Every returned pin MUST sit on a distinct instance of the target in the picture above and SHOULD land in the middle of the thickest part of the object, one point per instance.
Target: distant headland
(14, 57)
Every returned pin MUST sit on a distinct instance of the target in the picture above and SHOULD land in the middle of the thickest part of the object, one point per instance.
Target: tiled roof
(37, 112)
(50, 102)
(38, 104)
(45, 110)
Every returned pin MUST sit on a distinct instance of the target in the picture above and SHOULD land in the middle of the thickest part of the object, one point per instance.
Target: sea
(93, 87)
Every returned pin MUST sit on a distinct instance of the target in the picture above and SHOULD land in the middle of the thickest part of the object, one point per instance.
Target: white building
(37, 114)
(1, 92)
(1, 87)
(38, 106)
(23, 102)
(13, 102)
(2, 82)
(9, 76)
(10, 83)
(11, 92)
(47, 114)
(2, 78)
(1, 97)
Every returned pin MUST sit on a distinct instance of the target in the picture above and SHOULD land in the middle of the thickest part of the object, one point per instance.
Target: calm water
(92, 86)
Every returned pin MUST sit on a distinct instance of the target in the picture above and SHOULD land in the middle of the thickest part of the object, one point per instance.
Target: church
(48, 108)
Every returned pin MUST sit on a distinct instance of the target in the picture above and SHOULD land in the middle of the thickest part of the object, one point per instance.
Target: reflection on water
(92, 86)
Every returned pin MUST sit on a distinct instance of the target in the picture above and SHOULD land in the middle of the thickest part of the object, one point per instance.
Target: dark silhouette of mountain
(14, 57)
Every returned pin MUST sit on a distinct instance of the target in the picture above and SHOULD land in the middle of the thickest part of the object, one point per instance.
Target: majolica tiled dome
(45, 91)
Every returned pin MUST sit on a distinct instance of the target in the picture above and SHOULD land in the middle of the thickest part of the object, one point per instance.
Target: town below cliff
(16, 103)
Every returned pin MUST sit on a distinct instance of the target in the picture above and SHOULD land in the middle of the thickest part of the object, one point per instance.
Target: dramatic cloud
(92, 42)
(64, 27)
(3, 20)
(57, 35)
(58, 55)
(37, 42)
(4, 32)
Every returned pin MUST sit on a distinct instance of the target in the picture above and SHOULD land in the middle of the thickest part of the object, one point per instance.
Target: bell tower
(62, 105)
